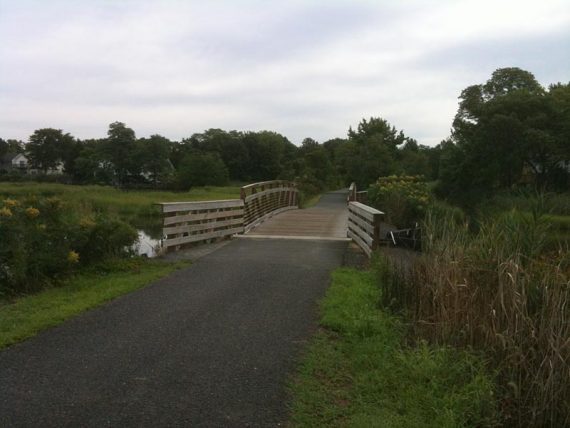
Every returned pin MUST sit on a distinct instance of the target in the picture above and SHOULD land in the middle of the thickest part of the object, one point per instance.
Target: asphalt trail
(211, 345)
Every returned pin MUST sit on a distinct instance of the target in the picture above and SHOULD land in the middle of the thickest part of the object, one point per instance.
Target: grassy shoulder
(358, 372)
(27, 316)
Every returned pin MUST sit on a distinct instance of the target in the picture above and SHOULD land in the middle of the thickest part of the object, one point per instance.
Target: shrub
(32, 248)
(42, 240)
(104, 237)
(403, 199)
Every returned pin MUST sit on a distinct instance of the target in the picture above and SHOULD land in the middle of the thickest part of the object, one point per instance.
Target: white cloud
(299, 68)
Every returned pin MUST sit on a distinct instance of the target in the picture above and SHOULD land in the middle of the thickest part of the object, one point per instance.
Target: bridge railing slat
(265, 199)
(187, 222)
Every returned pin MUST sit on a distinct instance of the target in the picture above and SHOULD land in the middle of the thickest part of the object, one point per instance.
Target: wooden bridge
(270, 210)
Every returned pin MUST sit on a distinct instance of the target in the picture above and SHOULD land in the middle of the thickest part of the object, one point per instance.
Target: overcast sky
(301, 68)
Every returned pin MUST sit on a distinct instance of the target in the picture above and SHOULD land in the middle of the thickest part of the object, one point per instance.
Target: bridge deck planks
(328, 219)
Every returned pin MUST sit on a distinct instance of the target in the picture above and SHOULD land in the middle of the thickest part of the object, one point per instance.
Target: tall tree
(153, 156)
(47, 148)
(120, 150)
(503, 128)
(371, 151)
(10, 146)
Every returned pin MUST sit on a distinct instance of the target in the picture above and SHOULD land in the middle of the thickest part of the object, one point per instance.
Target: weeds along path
(210, 345)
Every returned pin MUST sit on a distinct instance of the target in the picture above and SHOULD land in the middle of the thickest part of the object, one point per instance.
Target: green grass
(311, 201)
(135, 207)
(123, 201)
(27, 316)
(358, 373)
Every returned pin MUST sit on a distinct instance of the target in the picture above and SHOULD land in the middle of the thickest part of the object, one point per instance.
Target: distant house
(11, 162)
(19, 162)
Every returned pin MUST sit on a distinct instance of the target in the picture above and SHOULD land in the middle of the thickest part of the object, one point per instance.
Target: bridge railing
(267, 198)
(187, 222)
(364, 226)
(356, 196)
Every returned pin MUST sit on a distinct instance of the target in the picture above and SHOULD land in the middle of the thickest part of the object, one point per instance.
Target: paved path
(211, 345)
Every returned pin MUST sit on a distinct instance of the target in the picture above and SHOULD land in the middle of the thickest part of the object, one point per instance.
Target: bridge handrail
(355, 195)
(351, 193)
(267, 198)
(364, 226)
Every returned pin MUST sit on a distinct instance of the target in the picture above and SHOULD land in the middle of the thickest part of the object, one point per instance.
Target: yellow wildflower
(11, 203)
(32, 212)
(73, 257)
(5, 212)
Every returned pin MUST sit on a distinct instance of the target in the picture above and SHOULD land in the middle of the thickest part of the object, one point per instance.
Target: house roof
(22, 155)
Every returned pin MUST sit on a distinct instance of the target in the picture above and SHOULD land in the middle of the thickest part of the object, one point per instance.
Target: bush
(403, 199)
(103, 238)
(42, 241)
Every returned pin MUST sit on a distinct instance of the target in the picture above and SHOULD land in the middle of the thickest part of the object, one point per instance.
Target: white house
(19, 162)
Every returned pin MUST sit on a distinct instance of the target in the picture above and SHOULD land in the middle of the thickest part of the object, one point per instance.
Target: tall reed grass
(498, 291)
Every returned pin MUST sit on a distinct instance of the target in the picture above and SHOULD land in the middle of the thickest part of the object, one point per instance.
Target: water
(147, 246)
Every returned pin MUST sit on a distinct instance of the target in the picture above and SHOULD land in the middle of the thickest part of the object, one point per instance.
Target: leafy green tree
(47, 147)
(120, 150)
(201, 169)
(153, 156)
(10, 146)
(503, 128)
(230, 147)
(370, 152)
(316, 164)
(268, 152)
(414, 159)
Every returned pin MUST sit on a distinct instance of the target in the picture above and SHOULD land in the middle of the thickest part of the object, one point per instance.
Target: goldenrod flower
(11, 203)
(5, 212)
(73, 257)
(32, 212)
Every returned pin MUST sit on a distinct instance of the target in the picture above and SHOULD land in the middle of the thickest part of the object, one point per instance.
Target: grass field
(26, 316)
(136, 207)
(358, 372)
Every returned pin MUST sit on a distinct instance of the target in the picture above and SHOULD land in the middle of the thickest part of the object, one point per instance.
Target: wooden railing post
(364, 226)
(376, 234)
(351, 193)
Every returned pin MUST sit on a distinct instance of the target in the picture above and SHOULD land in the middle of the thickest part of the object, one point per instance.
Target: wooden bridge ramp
(325, 221)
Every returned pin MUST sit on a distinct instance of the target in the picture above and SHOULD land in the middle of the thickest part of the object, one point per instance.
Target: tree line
(507, 132)
(216, 156)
